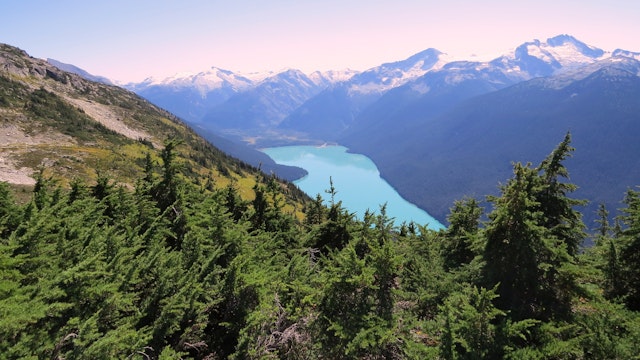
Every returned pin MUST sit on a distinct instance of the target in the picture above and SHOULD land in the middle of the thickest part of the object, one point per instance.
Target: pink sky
(131, 40)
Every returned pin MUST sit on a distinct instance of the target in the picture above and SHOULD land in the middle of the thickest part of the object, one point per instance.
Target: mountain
(395, 112)
(330, 77)
(78, 71)
(190, 96)
(333, 110)
(253, 112)
(71, 129)
(251, 156)
(468, 148)
(442, 88)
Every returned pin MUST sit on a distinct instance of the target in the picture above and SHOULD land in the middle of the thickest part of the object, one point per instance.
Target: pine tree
(333, 233)
(472, 325)
(356, 302)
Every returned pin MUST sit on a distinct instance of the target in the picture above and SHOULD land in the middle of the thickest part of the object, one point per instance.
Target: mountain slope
(72, 128)
(254, 111)
(78, 71)
(190, 96)
(326, 115)
(443, 88)
(468, 149)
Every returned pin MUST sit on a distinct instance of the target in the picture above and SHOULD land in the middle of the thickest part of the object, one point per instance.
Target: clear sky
(129, 40)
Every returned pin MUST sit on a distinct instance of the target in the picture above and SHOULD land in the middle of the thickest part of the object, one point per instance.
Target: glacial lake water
(356, 179)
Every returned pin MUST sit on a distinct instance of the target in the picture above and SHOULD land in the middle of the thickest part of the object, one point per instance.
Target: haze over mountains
(440, 129)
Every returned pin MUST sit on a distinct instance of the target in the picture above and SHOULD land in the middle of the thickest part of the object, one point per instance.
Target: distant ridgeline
(440, 129)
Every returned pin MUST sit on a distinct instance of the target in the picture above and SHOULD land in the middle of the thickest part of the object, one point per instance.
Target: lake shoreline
(355, 176)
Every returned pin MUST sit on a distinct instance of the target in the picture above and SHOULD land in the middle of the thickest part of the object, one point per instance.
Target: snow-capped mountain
(625, 53)
(263, 107)
(390, 75)
(557, 54)
(190, 95)
(330, 112)
(193, 95)
(203, 82)
(474, 119)
(327, 78)
(428, 83)
(387, 76)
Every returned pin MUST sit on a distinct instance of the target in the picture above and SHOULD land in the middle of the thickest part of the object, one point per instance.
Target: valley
(128, 232)
(465, 121)
(356, 179)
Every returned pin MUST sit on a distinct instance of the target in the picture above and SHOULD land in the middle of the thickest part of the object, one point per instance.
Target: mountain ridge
(474, 141)
(58, 126)
(383, 109)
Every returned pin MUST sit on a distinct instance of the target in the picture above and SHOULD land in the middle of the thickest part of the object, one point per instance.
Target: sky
(130, 40)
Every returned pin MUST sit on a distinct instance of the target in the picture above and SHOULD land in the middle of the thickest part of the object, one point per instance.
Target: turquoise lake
(355, 178)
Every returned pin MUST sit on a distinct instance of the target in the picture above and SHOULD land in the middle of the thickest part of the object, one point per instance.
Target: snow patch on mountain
(420, 87)
(203, 82)
(557, 54)
(390, 75)
(332, 76)
(567, 51)
(625, 53)
(615, 66)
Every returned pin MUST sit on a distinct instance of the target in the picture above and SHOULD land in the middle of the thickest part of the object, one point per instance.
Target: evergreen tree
(472, 325)
(532, 238)
(315, 212)
(513, 245)
(604, 228)
(9, 211)
(234, 204)
(630, 252)
(355, 308)
(558, 210)
(460, 235)
(334, 232)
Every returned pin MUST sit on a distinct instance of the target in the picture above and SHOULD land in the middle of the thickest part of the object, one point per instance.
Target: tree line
(170, 269)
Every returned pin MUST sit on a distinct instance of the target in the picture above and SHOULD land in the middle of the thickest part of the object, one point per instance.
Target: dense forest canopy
(172, 269)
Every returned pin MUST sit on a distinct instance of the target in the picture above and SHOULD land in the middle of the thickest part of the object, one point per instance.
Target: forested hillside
(168, 270)
(442, 151)
(70, 129)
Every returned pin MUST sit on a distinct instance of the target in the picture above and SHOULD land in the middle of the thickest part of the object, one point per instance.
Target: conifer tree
(513, 245)
(558, 210)
(358, 297)
(533, 234)
(630, 253)
(602, 220)
(334, 232)
(9, 211)
(315, 212)
(472, 325)
(464, 221)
